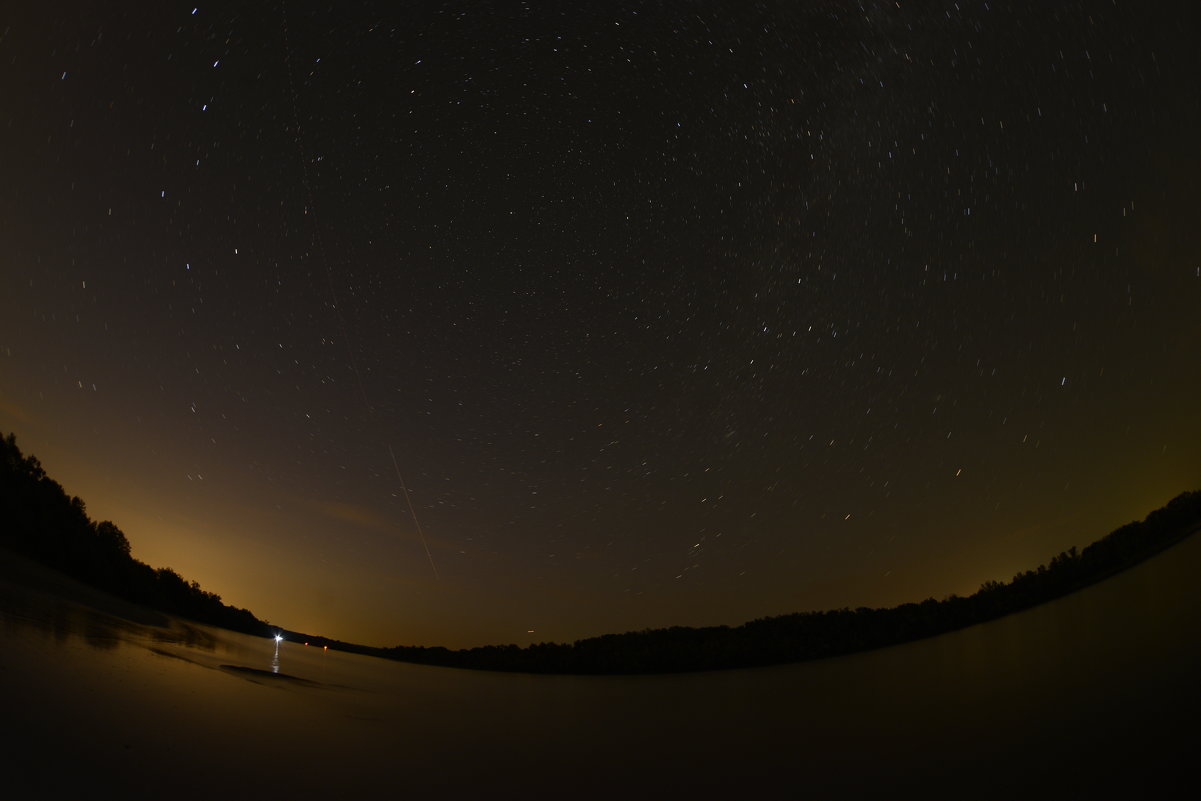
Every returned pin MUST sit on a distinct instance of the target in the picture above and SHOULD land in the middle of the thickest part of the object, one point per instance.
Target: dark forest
(41, 521)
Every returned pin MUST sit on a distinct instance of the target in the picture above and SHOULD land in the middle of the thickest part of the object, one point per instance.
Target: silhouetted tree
(39, 519)
(813, 635)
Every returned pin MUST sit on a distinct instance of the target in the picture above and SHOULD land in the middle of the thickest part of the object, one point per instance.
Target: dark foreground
(1094, 695)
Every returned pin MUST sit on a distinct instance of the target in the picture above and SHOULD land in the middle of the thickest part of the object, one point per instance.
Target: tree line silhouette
(38, 519)
(814, 635)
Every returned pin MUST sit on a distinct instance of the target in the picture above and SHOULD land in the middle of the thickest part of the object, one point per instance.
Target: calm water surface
(1091, 696)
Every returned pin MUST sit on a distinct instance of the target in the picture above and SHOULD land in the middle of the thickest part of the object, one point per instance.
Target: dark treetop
(41, 520)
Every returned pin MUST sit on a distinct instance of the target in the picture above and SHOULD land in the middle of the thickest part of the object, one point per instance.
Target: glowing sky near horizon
(671, 313)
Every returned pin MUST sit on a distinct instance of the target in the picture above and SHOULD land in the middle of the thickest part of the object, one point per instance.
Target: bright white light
(279, 638)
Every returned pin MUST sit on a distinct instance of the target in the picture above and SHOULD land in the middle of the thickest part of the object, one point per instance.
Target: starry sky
(662, 313)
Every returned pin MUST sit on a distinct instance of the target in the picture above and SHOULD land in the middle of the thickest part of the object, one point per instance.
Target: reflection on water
(63, 620)
(1090, 696)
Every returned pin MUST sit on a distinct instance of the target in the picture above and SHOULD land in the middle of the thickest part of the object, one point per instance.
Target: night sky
(667, 313)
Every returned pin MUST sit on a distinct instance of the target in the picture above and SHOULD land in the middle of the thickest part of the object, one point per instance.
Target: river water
(1094, 695)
